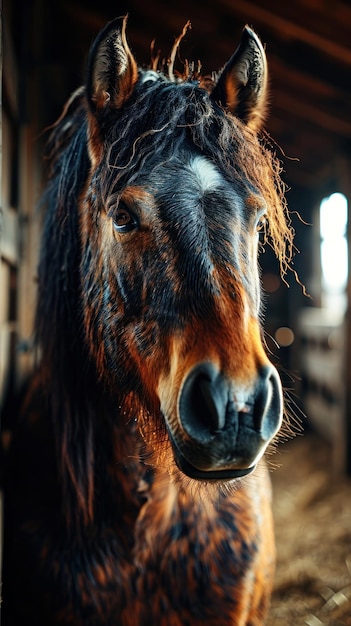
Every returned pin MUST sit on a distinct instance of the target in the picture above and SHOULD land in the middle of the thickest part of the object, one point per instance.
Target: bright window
(334, 252)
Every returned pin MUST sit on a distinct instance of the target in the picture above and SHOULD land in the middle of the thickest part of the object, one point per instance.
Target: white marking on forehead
(207, 175)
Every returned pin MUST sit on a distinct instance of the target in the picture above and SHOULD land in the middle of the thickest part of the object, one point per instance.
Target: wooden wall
(20, 188)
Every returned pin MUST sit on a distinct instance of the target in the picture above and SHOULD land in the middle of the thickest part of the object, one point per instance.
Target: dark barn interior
(308, 329)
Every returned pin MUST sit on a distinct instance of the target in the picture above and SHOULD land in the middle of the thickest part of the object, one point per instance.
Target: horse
(137, 490)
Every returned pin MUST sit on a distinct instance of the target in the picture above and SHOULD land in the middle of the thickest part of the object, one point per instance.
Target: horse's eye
(261, 228)
(261, 224)
(124, 220)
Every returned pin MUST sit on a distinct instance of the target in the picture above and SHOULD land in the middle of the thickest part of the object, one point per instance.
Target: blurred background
(45, 45)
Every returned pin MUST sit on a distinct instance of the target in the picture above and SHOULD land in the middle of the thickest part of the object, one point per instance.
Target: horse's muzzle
(225, 428)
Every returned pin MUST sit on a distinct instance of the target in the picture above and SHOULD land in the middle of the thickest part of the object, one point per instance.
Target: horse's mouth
(211, 475)
(214, 474)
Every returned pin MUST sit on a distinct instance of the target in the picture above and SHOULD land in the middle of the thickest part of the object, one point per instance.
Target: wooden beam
(284, 75)
(288, 28)
(313, 114)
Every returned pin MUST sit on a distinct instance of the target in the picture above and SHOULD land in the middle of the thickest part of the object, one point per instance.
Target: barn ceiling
(307, 44)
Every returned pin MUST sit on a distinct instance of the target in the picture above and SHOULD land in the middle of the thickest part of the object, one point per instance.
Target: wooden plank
(9, 235)
(290, 29)
(9, 71)
(318, 117)
(345, 172)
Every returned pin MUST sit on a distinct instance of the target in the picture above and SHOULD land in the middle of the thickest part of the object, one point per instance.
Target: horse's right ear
(112, 70)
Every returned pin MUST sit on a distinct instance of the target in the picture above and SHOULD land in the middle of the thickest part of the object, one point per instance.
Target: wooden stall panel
(322, 356)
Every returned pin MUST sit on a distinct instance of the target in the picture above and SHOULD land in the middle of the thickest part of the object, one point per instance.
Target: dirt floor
(312, 510)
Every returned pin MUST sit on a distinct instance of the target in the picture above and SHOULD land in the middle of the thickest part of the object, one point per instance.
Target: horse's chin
(213, 475)
(224, 475)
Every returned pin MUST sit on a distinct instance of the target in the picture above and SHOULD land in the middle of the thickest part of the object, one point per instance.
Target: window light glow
(334, 250)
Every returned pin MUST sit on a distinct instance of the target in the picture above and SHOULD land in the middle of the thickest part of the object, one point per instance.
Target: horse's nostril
(212, 408)
(203, 402)
(269, 403)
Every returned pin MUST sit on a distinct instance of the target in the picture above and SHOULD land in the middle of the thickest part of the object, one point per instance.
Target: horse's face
(170, 238)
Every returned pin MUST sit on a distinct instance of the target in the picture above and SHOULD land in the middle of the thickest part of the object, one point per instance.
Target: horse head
(179, 187)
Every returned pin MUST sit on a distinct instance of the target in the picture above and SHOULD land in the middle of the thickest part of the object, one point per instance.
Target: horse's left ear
(242, 85)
